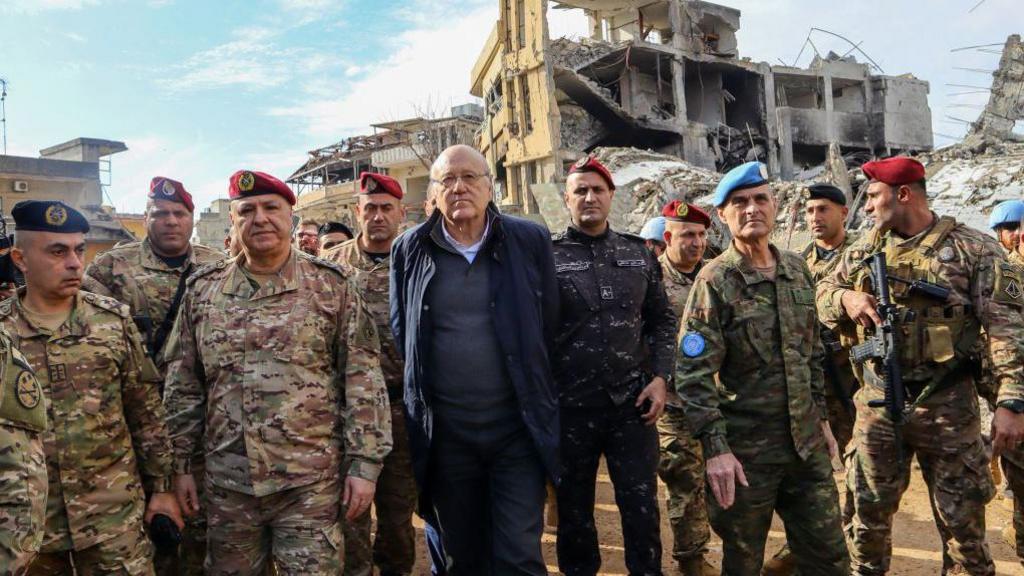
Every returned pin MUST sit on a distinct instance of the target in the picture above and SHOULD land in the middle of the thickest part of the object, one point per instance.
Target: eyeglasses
(469, 179)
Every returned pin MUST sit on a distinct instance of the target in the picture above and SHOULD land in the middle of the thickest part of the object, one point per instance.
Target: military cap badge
(371, 185)
(27, 390)
(246, 182)
(682, 210)
(168, 188)
(582, 162)
(56, 215)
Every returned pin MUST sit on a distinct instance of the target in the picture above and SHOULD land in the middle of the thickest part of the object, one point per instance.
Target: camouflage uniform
(1013, 460)
(615, 334)
(106, 439)
(841, 377)
(942, 426)
(750, 374)
(394, 548)
(22, 461)
(134, 275)
(681, 466)
(279, 383)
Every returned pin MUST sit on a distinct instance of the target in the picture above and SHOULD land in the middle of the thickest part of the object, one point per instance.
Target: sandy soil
(916, 547)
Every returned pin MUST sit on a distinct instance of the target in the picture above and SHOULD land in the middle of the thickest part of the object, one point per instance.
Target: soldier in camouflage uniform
(147, 276)
(612, 387)
(681, 467)
(825, 213)
(274, 370)
(22, 460)
(106, 440)
(1005, 221)
(367, 260)
(750, 374)
(941, 424)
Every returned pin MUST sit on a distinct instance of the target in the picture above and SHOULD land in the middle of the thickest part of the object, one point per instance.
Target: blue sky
(199, 89)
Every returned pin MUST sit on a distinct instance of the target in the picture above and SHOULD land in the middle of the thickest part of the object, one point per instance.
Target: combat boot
(696, 566)
(782, 564)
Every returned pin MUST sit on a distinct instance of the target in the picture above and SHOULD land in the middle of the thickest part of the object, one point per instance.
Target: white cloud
(34, 6)
(252, 59)
(428, 63)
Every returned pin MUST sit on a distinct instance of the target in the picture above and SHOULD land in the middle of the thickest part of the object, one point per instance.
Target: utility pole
(3, 112)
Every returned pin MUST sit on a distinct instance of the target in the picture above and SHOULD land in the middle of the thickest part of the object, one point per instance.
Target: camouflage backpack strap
(21, 396)
(937, 234)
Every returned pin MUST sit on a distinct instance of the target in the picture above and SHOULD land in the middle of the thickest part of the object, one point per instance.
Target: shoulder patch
(692, 344)
(107, 303)
(1009, 285)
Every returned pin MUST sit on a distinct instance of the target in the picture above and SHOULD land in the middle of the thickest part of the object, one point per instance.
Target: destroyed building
(666, 75)
(327, 183)
(73, 172)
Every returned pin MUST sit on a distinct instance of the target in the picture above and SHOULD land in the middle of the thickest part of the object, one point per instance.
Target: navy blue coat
(525, 292)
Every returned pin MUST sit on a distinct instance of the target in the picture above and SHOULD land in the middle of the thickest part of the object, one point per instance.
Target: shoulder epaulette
(107, 303)
(207, 251)
(324, 264)
(206, 269)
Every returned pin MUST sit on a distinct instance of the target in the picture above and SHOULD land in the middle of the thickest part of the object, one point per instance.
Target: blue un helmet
(654, 229)
(1010, 212)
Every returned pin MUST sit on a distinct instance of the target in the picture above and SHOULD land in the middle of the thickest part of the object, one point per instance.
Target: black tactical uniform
(613, 304)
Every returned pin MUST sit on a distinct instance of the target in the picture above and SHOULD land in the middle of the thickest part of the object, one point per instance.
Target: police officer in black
(613, 356)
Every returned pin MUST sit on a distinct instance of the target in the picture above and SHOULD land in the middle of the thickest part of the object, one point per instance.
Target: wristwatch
(1015, 406)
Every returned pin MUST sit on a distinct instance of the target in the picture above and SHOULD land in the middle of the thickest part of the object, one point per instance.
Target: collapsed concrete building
(667, 76)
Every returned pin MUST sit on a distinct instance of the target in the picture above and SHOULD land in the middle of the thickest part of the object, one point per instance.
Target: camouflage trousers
(298, 529)
(943, 431)
(681, 468)
(129, 553)
(23, 489)
(394, 548)
(1013, 468)
(191, 554)
(804, 495)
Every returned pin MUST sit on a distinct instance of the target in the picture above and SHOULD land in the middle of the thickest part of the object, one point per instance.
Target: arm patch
(1009, 287)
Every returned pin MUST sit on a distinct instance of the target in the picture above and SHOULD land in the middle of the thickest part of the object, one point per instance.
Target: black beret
(48, 216)
(332, 227)
(826, 192)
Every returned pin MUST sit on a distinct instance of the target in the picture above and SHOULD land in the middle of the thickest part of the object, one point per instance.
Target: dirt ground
(916, 545)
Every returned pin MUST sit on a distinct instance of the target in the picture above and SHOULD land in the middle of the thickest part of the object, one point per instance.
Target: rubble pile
(575, 55)
(966, 182)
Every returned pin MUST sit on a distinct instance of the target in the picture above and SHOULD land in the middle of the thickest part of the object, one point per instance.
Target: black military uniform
(613, 304)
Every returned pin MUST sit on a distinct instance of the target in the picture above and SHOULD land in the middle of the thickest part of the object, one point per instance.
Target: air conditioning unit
(20, 186)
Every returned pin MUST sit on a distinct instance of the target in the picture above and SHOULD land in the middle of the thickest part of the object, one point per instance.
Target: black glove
(164, 533)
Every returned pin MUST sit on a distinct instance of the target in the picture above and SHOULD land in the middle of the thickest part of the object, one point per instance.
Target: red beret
(245, 183)
(590, 164)
(370, 183)
(680, 211)
(161, 188)
(895, 171)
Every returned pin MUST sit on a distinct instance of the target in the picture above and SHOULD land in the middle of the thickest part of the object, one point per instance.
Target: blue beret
(654, 229)
(48, 216)
(747, 175)
(1008, 212)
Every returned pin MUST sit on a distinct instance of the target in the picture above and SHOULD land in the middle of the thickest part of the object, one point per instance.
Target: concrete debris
(1005, 108)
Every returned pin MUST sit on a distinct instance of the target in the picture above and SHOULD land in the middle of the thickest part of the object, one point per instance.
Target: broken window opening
(524, 81)
(521, 23)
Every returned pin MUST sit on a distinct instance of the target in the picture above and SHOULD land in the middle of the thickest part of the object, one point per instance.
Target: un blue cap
(749, 175)
(1008, 212)
(654, 229)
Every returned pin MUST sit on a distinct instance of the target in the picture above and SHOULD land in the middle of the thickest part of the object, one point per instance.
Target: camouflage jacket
(821, 268)
(677, 289)
(613, 305)
(371, 281)
(274, 381)
(107, 438)
(749, 367)
(938, 340)
(22, 460)
(133, 274)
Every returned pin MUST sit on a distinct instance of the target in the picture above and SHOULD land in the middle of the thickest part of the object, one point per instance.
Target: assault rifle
(884, 346)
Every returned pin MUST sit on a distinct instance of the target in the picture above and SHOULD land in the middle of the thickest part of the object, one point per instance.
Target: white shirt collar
(468, 252)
